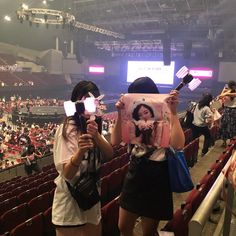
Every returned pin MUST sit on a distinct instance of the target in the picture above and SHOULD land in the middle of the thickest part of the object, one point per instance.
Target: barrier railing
(201, 216)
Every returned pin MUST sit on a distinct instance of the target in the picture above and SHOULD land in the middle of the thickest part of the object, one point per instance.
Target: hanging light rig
(55, 17)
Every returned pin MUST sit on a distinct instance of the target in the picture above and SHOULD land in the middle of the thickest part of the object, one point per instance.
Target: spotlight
(7, 18)
(45, 2)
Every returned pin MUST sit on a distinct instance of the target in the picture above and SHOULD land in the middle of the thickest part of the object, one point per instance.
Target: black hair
(143, 85)
(135, 114)
(205, 101)
(81, 90)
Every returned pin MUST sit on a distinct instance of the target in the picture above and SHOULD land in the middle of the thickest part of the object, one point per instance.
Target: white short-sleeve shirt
(65, 211)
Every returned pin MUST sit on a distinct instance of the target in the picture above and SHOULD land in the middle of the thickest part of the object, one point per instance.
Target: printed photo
(146, 120)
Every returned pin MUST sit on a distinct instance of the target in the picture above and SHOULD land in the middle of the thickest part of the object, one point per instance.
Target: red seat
(13, 217)
(104, 190)
(124, 159)
(110, 215)
(124, 169)
(35, 183)
(208, 179)
(8, 204)
(105, 169)
(32, 226)
(195, 197)
(5, 196)
(195, 149)
(188, 155)
(179, 223)
(27, 195)
(18, 190)
(39, 204)
(51, 195)
(46, 187)
(48, 226)
(114, 184)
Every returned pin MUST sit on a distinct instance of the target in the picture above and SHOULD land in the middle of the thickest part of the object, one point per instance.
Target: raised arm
(177, 139)
(116, 132)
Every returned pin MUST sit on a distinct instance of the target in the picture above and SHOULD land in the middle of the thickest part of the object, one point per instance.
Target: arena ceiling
(203, 22)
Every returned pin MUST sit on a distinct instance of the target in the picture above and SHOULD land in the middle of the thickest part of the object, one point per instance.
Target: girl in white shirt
(72, 148)
(202, 117)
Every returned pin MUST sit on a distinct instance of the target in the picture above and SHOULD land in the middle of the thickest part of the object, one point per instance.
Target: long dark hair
(80, 90)
(205, 101)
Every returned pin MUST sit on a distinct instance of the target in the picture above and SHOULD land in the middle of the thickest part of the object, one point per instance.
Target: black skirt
(146, 190)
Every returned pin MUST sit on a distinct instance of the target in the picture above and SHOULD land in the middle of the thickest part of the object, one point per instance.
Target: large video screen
(156, 70)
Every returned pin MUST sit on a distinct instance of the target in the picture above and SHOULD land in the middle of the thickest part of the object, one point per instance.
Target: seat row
(12, 199)
(20, 213)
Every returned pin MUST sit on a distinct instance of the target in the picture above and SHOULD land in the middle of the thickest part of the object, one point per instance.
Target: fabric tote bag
(180, 179)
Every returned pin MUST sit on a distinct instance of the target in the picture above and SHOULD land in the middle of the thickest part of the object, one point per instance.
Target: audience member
(202, 118)
(30, 159)
(72, 149)
(228, 127)
(146, 191)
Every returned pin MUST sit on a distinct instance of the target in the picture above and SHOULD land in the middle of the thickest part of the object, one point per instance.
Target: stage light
(24, 6)
(45, 2)
(7, 18)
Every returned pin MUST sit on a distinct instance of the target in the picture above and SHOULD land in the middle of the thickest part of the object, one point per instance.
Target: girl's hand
(85, 142)
(119, 104)
(173, 101)
(92, 128)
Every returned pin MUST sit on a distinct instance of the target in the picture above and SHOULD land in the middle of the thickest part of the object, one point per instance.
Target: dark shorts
(146, 190)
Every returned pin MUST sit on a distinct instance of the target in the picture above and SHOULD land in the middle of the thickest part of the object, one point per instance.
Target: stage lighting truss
(147, 45)
(55, 17)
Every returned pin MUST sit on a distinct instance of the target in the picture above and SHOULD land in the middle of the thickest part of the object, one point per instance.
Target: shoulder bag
(180, 179)
(85, 191)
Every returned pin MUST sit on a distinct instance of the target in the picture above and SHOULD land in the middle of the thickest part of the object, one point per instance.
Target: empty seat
(114, 164)
(32, 226)
(8, 204)
(196, 196)
(46, 187)
(179, 223)
(27, 195)
(49, 229)
(104, 190)
(114, 184)
(18, 190)
(5, 196)
(13, 217)
(105, 169)
(39, 204)
(110, 215)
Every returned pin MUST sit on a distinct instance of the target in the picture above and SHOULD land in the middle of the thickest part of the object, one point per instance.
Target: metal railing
(202, 214)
